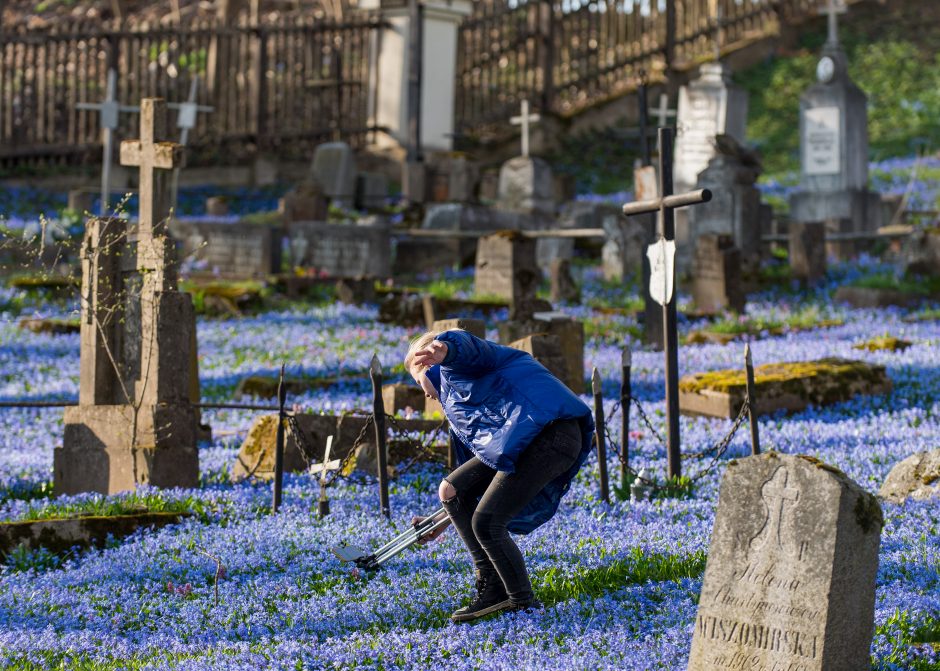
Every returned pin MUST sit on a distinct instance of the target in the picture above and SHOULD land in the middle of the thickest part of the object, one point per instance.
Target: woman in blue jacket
(520, 436)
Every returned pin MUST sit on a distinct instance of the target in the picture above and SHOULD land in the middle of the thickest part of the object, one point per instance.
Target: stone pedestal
(570, 333)
(546, 349)
(734, 209)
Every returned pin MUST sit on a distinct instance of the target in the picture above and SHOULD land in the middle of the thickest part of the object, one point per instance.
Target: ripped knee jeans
(486, 501)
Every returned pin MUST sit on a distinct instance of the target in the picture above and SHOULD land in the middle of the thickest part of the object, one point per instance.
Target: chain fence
(715, 451)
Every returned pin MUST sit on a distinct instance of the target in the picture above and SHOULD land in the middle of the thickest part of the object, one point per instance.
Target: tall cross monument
(135, 423)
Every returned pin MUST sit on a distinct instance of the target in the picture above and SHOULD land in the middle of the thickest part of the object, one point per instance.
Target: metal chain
(422, 450)
(646, 420)
(722, 445)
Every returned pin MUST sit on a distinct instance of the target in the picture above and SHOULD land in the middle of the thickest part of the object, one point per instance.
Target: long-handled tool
(438, 520)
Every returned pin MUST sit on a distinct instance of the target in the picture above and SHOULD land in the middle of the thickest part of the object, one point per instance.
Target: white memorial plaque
(821, 147)
(662, 255)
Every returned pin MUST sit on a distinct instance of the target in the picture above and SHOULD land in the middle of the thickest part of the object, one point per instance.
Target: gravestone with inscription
(354, 250)
(834, 147)
(716, 275)
(790, 579)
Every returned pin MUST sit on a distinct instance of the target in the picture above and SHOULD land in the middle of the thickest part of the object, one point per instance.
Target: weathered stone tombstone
(546, 349)
(506, 268)
(135, 423)
(356, 250)
(334, 168)
(371, 190)
(526, 183)
(807, 251)
(916, 477)
(232, 250)
(472, 326)
(716, 275)
(735, 207)
(563, 287)
(306, 202)
(622, 254)
(570, 334)
(790, 578)
(834, 149)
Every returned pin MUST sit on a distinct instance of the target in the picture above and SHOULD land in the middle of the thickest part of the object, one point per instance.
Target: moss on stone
(883, 343)
(822, 381)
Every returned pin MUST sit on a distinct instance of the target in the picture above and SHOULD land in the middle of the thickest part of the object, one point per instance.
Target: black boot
(491, 597)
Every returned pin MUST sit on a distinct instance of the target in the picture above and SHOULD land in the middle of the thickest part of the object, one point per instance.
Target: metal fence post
(751, 400)
(279, 442)
(599, 433)
(378, 419)
(625, 398)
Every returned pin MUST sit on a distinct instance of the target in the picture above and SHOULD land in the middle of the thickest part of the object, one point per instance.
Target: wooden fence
(279, 87)
(565, 56)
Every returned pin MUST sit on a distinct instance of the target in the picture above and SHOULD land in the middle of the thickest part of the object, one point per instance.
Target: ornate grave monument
(834, 146)
(135, 422)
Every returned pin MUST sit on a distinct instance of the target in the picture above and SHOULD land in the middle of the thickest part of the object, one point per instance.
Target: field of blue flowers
(619, 581)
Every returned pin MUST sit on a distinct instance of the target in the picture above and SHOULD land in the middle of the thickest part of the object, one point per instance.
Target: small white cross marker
(662, 112)
(523, 120)
(327, 465)
(186, 121)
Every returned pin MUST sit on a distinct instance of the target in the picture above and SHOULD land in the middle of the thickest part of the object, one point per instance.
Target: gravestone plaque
(334, 168)
(229, 250)
(790, 578)
(354, 250)
(716, 275)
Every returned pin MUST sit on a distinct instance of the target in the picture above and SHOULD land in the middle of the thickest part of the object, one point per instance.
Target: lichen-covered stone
(884, 343)
(917, 477)
(787, 386)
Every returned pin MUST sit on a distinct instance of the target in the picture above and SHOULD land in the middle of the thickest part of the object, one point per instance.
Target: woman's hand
(427, 538)
(432, 355)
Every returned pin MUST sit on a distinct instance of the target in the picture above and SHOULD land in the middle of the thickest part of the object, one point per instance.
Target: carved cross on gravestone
(832, 9)
(524, 119)
(776, 495)
(186, 121)
(109, 111)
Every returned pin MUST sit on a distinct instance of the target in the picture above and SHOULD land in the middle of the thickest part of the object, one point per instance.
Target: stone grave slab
(506, 268)
(526, 184)
(239, 250)
(401, 397)
(265, 386)
(305, 202)
(873, 297)
(354, 250)
(52, 326)
(781, 386)
(716, 275)
(916, 477)
(475, 327)
(807, 251)
(256, 456)
(790, 577)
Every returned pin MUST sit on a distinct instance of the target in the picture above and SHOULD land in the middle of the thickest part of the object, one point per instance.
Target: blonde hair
(418, 344)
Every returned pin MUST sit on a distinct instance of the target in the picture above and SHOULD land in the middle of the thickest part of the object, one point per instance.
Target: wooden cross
(832, 9)
(186, 121)
(327, 465)
(662, 113)
(109, 111)
(524, 119)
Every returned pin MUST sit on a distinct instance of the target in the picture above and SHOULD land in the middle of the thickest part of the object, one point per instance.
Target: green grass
(123, 504)
(902, 632)
(918, 286)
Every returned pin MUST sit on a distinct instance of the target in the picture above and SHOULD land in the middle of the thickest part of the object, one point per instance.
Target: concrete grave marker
(355, 250)
(334, 168)
(237, 250)
(506, 268)
(135, 423)
(790, 578)
(807, 251)
(716, 275)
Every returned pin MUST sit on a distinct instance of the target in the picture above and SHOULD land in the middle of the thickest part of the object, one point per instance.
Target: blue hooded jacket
(497, 400)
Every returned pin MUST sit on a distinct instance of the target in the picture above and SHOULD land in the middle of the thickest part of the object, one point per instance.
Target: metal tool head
(349, 552)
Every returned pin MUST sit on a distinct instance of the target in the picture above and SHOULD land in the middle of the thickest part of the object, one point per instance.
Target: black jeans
(487, 500)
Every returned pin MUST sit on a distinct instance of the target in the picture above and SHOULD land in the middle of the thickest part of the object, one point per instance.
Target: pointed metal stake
(279, 442)
(625, 400)
(378, 415)
(599, 433)
(751, 399)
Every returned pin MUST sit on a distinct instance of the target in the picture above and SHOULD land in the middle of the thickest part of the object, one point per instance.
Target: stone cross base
(97, 453)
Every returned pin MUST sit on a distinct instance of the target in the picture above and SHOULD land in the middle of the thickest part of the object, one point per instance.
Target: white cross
(109, 110)
(663, 112)
(524, 119)
(186, 121)
(327, 465)
(832, 9)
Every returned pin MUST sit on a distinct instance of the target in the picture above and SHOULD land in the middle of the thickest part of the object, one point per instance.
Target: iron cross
(109, 111)
(186, 121)
(524, 119)
(662, 113)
